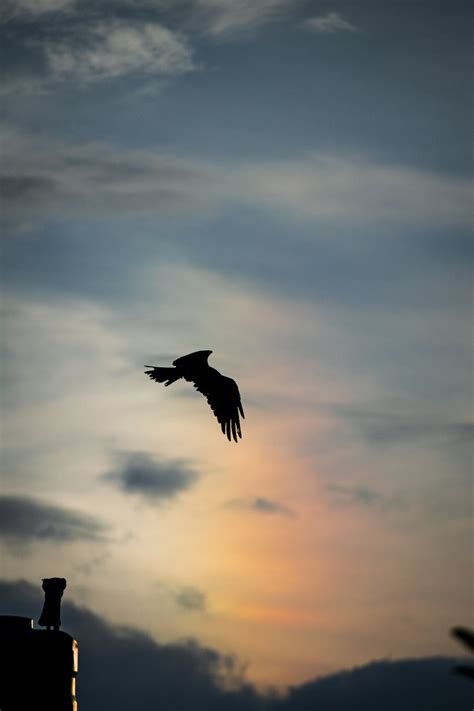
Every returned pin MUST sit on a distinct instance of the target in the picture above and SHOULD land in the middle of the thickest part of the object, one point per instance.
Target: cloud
(259, 504)
(154, 480)
(427, 683)
(354, 495)
(351, 189)
(393, 431)
(26, 520)
(95, 178)
(87, 44)
(117, 48)
(225, 17)
(187, 597)
(123, 667)
(49, 177)
(222, 18)
(190, 598)
(15, 190)
(383, 429)
(22, 85)
(14, 9)
(330, 24)
(140, 39)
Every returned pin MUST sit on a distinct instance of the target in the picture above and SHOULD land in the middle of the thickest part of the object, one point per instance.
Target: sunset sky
(287, 183)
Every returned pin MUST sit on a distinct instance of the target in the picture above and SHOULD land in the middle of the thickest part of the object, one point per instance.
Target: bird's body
(222, 393)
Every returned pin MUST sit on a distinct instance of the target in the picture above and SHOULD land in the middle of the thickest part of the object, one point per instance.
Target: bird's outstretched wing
(223, 396)
(222, 393)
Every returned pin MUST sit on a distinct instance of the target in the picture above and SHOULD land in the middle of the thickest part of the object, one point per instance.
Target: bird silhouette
(221, 392)
(466, 636)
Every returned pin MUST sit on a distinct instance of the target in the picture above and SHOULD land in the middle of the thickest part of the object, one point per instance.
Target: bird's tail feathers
(163, 375)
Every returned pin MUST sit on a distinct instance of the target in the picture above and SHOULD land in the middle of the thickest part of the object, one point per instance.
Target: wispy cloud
(359, 495)
(86, 45)
(259, 504)
(395, 428)
(138, 473)
(117, 48)
(14, 189)
(330, 24)
(50, 176)
(351, 188)
(140, 39)
(96, 177)
(14, 9)
(392, 431)
(226, 17)
(26, 520)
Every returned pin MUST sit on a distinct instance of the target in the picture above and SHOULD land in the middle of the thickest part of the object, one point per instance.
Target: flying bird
(221, 392)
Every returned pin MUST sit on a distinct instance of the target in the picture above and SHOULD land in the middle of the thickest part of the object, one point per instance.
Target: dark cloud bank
(25, 520)
(124, 668)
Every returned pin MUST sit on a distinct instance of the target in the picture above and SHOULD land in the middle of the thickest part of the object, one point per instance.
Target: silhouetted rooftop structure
(39, 667)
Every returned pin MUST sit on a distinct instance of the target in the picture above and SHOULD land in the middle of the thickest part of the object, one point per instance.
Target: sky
(288, 184)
